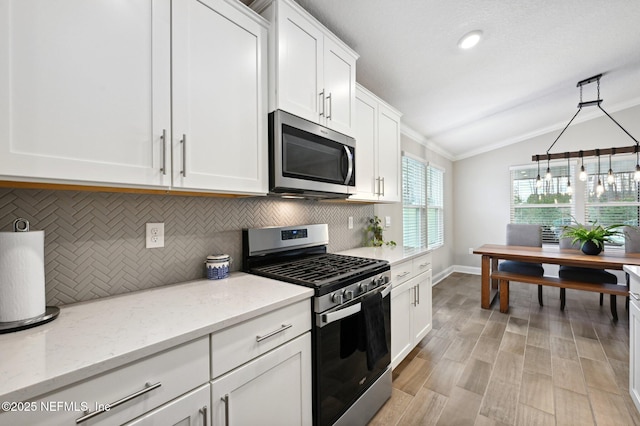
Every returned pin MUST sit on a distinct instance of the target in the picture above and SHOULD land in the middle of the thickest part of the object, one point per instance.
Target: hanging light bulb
(610, 178)
(547, 176)
(583, 173)
(636, 175)
(569, 189)
(538, 180)
(600, 186)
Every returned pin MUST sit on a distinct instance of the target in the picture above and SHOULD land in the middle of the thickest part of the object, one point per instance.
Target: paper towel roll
(22, 293)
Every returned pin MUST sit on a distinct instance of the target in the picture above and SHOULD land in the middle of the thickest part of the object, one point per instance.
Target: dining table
(614, 258)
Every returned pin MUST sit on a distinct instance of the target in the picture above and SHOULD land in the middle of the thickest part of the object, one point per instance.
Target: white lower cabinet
(273, 389)
(634, 338)
(191, 409)
(411, 309)
(123, 394)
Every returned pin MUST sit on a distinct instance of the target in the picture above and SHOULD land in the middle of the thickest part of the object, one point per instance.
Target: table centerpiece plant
(591, 237)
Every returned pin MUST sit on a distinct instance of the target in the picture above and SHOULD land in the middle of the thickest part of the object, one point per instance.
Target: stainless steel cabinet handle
(414, 301)
(424, 265)
(148, 388)
(164, 151)
(634, 295)
(321, 94)
(184, 155)
(418, 296)
(404, 274)
(330, 107)
(205, 420)
(383, 187)
(225, 399)
(273, 333)
(377, 186)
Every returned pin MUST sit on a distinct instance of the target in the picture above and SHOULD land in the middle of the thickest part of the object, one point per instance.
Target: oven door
(341, 374)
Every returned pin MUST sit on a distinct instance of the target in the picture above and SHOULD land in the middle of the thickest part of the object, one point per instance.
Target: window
(435, 207)
(414, 203)
(620, 201)
(422, 204)
(549, 206)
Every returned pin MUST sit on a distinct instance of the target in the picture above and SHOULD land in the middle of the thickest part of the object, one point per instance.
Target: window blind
(414, 217)
(435, 207)
(620, 201)
(549, 206)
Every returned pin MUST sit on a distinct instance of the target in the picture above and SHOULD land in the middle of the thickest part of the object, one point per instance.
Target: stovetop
(320, 270)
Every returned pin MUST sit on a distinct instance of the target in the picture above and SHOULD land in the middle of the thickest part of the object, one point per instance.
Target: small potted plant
(374, 233)
(591, 238)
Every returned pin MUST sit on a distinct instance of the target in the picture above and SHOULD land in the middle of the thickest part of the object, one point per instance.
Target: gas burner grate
(318, 270)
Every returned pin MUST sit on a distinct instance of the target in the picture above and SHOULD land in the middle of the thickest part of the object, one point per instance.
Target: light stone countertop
(92, 337)
(632, 270)
(393, 255)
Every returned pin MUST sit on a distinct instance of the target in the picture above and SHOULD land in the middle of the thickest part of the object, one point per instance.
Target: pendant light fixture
(583, 173)
(599, 186)
(610, 178)
(594, 152)
(569, 189)
(538, 180)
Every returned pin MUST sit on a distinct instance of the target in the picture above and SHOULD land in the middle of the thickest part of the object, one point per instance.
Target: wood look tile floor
(533, 366)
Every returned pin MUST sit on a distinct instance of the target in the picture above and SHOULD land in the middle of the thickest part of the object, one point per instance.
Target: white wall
(481, 195)
(443, 257)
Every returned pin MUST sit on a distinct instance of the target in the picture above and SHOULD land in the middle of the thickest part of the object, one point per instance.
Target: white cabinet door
(191, 409)
(273, 389)
(299, 82)
(219, 98)
(339, 87)
(634, 353)
(389, 154)
(401, 334)
(365, 128)
(84, 91)
(422, 307)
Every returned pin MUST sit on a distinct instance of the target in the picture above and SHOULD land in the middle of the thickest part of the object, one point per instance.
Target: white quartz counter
(632, 270)
(393, 255)
(92, 337)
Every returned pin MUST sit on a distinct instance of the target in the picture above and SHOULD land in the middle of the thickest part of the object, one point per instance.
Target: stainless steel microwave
(310, 160)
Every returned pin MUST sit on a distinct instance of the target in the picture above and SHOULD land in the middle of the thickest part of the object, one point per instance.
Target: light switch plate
(155, 235)
(350, 222)
(387, 221)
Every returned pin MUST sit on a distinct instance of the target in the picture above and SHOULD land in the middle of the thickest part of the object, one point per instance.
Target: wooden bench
(505, 277)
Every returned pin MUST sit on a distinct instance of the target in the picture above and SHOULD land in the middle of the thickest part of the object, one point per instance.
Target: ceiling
(518, 82)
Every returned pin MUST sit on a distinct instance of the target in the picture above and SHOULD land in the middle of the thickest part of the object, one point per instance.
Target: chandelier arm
(618, 124)
(565, 128)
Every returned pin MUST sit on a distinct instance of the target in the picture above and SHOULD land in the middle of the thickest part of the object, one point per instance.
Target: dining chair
(589, 275)
(519, 234)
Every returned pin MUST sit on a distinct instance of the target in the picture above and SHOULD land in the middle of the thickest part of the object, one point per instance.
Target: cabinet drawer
(421, 264)
(177, 370)
(401, 272)
(238, 344)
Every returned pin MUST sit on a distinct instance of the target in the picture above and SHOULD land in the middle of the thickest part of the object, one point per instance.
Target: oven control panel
(351, 292)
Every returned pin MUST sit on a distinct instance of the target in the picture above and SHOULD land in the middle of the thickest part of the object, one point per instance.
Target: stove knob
(373, 283)
(336, 298)
(363, 287)
(348, 295)
(380, 281)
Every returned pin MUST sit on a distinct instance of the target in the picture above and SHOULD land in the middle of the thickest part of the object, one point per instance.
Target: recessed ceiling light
(469, 40)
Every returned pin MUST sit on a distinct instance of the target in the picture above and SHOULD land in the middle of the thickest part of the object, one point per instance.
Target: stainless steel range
(351, 308)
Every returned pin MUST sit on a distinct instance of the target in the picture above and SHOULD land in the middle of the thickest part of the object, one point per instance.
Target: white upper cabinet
(312, 73)
(378, 155)
(88, 89)
(219, 98)
(84, 91)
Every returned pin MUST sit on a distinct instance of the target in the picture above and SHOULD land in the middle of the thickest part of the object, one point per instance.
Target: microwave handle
(350, 167)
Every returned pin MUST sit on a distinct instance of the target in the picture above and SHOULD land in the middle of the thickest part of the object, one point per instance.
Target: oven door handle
(350, 310)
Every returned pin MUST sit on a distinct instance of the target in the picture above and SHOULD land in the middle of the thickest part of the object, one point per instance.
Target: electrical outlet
(155, 235)
(350, 222)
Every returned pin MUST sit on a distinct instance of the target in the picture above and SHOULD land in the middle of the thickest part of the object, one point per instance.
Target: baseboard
(473, 270)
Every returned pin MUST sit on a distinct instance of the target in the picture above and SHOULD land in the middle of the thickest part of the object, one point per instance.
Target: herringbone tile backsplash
(95, 242)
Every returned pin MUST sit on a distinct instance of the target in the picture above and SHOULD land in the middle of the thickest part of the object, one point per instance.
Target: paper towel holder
(50, 313)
